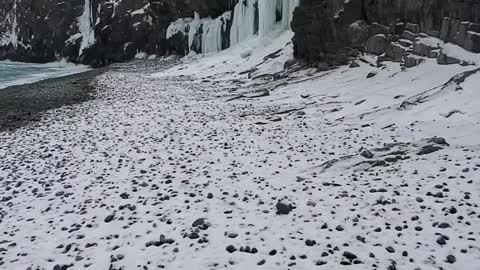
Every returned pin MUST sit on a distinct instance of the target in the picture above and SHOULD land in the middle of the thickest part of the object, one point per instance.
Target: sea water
(16, 73)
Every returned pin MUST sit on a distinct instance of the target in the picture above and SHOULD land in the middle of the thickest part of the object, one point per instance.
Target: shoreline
(23, 104)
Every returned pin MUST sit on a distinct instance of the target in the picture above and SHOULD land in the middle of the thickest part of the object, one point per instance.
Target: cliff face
(334, 31)
(95, 32)
(99, 32)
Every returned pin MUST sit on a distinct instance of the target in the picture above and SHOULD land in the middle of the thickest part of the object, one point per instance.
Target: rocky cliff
(336, 31)
(332, 32)
(95, 32)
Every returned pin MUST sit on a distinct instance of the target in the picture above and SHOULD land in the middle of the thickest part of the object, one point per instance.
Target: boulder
(376, 44)
(423, 49)
(412, 61)
(413, 27)
(409, 35)
(395, 51)
(358, 33)
(444, 59)
(472, 42)
(376, 28)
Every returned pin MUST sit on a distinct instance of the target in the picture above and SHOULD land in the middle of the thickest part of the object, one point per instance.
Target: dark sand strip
(22, 104)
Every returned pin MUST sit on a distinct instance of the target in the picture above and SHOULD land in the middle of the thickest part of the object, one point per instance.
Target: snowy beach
(174, 166)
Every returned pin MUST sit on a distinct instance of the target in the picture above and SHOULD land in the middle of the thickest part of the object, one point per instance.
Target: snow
(219, 139)
(238, 58)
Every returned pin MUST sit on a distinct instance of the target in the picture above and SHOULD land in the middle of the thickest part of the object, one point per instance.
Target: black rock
(371, 74)
(283, 209)
(444, 225)
(367, 154)
(428, 149)
(231, 249)
(349, 255)
(442, 240)
(451, 259)
(109, 218)
(198, 222)
(438, 140)
(310, 243)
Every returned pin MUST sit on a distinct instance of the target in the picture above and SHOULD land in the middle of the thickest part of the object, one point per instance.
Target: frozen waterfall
(12, 36)
(250, 18)
(244, 18)
(85, 26)
(246, 12)
(204, 35)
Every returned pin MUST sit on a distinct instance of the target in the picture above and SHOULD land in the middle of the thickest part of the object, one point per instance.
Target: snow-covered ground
(184, 167)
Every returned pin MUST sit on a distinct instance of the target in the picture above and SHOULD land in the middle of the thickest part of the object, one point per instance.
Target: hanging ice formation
(204, 35)
(11, 38)
(85, 26)
(250, 18)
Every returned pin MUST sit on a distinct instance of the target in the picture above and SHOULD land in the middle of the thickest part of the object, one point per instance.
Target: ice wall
(243, 24)
(204, 35)
(246, 12)
(250, 18)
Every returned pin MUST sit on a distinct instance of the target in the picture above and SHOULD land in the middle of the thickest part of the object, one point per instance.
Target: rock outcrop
(46, 30)
(332, 32)
(335, 31)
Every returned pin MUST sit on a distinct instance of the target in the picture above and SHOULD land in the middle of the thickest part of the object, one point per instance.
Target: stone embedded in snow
(109, 218)
(231, 249)
(445, 59)
(451, 259)
(372, 74)
(367, 154)
(438, 140)
(428, 149)
(283, 209)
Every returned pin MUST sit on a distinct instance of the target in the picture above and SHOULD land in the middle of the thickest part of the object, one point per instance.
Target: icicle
(204, 35)
(243, 25)
(250, 17)
(267, 14)
(288, 7)
(85, 26)
(212, 35)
